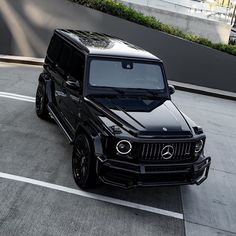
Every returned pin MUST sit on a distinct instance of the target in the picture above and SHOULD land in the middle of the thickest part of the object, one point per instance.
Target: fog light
(123, 147)
(198, 146)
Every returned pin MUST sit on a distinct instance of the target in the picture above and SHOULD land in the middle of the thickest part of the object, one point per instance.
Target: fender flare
(45, 78)
(93, 136)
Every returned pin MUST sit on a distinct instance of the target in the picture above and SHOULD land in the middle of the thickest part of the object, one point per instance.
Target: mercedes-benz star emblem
(167, 152)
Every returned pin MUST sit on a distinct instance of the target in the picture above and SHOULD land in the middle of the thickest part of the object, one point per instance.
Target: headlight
(199, 146)
(123, 147)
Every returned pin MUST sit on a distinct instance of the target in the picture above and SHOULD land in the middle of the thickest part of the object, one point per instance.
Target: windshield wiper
(120, 91)
(133, 92)
(150, 92)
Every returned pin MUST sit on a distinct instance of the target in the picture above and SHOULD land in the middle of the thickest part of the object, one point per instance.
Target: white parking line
(77, 191)
(17, 97)
(92, 196)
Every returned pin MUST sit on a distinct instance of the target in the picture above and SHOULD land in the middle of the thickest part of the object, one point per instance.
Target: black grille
(153, 151)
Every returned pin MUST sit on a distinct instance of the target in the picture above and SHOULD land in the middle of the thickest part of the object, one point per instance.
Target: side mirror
(171, 89)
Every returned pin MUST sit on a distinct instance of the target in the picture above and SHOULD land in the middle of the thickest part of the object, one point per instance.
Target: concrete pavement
(36, 149)
(26, 27)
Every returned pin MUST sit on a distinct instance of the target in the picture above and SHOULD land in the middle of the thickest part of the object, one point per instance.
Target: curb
(203, 90)
(178, 85)
(22, 60)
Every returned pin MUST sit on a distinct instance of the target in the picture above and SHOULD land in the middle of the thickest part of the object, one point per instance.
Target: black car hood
(145, 116)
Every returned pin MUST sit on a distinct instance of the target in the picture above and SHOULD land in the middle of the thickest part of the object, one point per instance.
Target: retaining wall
(215, 31)
(184, 61)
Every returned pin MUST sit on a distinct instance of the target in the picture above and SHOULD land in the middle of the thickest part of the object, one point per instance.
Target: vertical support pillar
(233, 19)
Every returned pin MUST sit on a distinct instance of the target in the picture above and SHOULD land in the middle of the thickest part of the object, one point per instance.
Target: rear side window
(54, 48)
(64, 57)
(76, 66)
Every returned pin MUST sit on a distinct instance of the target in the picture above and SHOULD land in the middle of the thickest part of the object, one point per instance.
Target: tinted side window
(54, 48)
(64, 57)
(76, 66)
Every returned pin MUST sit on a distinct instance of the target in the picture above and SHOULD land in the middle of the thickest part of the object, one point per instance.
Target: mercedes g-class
(113, 102)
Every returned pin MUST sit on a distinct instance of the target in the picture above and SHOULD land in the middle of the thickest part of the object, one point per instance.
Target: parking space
(32, 148)
(213, 203)
(30, 210)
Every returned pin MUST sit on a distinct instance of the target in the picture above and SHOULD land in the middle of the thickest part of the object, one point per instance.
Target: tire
(83, 163)
(41, 102)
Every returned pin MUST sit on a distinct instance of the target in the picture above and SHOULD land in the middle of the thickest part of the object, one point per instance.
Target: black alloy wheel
(41, 102)
(83, 163)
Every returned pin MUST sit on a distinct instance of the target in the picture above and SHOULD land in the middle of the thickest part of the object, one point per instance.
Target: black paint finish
(161, 140)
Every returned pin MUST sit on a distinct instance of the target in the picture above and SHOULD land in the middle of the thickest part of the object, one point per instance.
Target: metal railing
(199, 9)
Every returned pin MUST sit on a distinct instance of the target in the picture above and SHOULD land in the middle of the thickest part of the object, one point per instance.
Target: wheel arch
(45, 78)
(94, 137)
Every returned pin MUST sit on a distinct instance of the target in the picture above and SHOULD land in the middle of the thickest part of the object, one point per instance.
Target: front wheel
(83, 163)
(41, 101)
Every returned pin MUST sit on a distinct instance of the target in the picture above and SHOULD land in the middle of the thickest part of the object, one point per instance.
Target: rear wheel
(41, 101)
(83, 163)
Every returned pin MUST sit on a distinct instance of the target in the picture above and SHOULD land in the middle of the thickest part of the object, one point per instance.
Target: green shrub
(114, 8)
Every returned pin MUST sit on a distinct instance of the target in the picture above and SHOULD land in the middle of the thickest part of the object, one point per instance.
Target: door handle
(73, 84)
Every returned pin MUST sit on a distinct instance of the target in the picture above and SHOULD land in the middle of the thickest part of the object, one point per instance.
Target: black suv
(112, 101)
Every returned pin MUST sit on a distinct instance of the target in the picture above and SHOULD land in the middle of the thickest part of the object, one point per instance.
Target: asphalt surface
(26, 28)
(37, 149)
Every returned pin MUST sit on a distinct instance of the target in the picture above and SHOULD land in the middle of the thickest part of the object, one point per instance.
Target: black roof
(102, 44)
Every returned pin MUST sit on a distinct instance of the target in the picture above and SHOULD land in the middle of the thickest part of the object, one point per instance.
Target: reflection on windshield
(125, 74)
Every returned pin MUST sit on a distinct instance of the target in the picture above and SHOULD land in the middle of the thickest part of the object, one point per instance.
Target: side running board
(61, 123)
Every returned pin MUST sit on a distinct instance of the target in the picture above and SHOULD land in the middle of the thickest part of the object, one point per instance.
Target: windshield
(127, 74)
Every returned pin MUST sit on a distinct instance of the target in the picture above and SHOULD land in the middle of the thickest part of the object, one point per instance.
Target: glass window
(126, 74)
(64, 57)
(76, 66)
(54, 48)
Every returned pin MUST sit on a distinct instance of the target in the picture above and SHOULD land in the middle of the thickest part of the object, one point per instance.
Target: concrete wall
(184, 61)
(215, 31)
(188, 7)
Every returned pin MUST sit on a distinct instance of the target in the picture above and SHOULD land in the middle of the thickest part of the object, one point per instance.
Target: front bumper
(127, 175)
